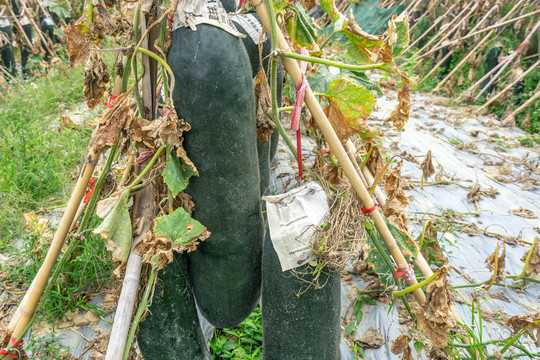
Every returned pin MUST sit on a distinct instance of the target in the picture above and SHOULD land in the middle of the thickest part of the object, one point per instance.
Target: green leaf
(179, 227)
(418, 345)
(350, 329)
(116, 229)
(329, 8)
(402, 239)
(176, 173)
(399, 34)
(363, 80)
(352, 100)
(300, 28)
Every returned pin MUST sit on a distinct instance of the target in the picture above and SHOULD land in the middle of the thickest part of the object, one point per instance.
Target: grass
(38, 164)
(241, 342)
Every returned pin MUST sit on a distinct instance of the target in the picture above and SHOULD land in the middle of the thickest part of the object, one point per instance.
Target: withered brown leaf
(392, 184)
(501, 264)
(525, 213)
(400, 115)
(263, 103)
(340, 123)
(401, 346)
(96, 77)
(435, 316)
(530, 322)
(372, 339)
(427, 166)
(111, 123)
(77, 44)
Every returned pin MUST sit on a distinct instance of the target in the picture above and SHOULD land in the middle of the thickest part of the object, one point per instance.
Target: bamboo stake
(128, 295)
(40, 34)
(336, 146)
(474, 33)
(453, 30)
(457, 18)
(438, 65)
(431, 27)
(509, 60)
(522, 107)
(20, 27)
(27, 306)
(475, 85)
(495, 97)
(478, 46)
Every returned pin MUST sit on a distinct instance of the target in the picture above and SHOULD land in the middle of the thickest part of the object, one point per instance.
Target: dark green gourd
(171, 328)
(250, 25)
(305, 327)
(214, 94)
(229, 5)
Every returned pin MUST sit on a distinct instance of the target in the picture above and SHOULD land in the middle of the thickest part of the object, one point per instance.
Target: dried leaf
(392, 185)
(401, 346)
(534, 262)
(102, 24)
(526, 213)
(490, 262)
(530, 322)
(427, 166)
(110, 124)
(96, 76)
(393, 210)
(372, 339)
(105, 206)
(77, 43)
(435, 317)
(263, 103)
(350, 105)
(116, 229)
(376, 161)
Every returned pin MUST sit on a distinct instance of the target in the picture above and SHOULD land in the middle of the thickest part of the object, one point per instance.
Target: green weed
(241, 342)
(39, 159)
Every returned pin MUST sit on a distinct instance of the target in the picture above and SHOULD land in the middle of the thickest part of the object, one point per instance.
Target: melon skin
(307, 326)
(215, 95)
(171, 329)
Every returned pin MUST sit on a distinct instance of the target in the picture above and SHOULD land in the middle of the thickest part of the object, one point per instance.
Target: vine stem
(535, 243)
(140, 312)
(152, 161)
(416, 286)
(337, 64)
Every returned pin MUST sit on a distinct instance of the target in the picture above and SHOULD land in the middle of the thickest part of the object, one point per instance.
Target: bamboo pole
(40, 34)
(478, 46)
(518, 51)
(20, 27)
(128, 295)
(457, 18)
(474, 33)
(431, 27)
(453, 30)
(434, 8)
(475, 85)
(337, 148)
(495, 97)
(484, 18)
(27, 306)
(523, 106)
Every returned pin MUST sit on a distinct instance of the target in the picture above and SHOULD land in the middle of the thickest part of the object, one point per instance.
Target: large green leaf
(116, 229)
(179, 227)
(176, 173)
(320, 81)
(353, 101)
(301, 28)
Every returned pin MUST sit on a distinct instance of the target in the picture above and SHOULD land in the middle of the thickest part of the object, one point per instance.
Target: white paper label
(191, 13)
(253, 27)
(293, 218)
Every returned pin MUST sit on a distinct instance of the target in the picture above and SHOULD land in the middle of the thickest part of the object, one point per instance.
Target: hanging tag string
(295, 121)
